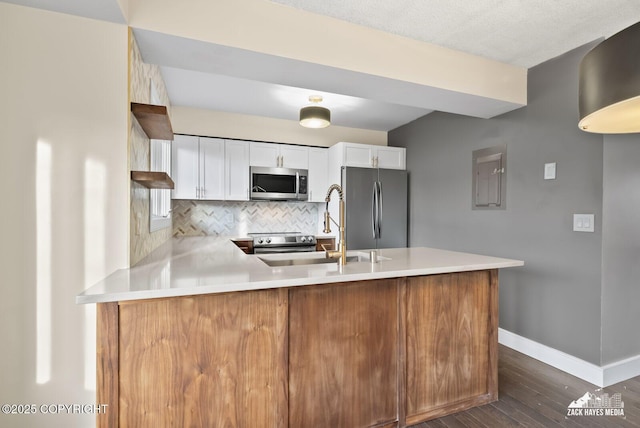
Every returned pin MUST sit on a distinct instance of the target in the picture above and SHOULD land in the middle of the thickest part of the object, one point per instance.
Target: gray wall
(621, 248)
(555, 298)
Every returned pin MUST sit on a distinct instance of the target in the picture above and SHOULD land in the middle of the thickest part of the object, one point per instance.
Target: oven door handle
(275, 250)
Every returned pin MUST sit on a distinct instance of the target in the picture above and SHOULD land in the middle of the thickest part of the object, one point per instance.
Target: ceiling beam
(295, 47)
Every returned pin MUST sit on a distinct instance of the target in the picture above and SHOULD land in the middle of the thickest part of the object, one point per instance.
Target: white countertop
(204, 265)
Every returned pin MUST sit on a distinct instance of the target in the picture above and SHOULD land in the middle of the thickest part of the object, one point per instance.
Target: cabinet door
(184, 166)
(452, 343)
(294, 157)
(264, 154)
(318, 174)
(216, 360)
(236, 170)
(343, 355)
(211, 168)
(360, 155)
(390, 157)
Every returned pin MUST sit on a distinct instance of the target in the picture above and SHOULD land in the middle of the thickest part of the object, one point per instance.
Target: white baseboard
(621, 370)
(600, 376)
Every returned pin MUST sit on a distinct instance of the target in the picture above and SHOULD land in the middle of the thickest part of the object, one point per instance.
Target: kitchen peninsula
(201, 334)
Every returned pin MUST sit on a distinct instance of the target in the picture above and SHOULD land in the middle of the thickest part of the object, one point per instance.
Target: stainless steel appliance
(278, 184)
(282, 242)
(376, 207)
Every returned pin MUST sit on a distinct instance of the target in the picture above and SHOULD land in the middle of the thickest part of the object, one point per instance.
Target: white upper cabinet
(368, 156)
(278, 155)
(318, 174)
(210, 168)
(212, 174)
(294, 157)
(237, 170)
(264, 154)
(360, 155)
(198, 167)
(185, 158)
(390, 157)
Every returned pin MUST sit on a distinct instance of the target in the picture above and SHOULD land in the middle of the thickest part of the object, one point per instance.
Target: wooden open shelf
(154, 120)
(152, 179)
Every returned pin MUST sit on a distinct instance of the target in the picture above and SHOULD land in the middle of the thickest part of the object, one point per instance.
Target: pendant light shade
(609, 88)
(315, 116)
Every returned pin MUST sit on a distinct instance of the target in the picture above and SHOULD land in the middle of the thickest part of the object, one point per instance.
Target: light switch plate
(550, 171)
(583, 223)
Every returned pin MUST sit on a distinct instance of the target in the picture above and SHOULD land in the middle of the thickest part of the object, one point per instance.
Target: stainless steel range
(282, 242)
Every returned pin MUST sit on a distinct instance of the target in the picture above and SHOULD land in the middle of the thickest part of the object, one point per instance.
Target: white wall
(64, 218)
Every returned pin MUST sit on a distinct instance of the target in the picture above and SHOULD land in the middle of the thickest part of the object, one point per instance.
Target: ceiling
(521, 33)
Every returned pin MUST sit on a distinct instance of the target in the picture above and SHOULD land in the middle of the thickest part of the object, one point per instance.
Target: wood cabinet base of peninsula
(378, 353)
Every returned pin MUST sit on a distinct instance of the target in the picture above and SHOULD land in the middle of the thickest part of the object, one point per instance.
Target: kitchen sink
(315, 258)
(304, 261)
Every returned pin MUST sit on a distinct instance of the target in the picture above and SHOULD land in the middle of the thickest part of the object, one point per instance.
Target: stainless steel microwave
(278, 184)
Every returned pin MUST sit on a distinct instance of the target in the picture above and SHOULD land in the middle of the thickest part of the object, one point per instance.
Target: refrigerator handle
(379, 209)
(374, 210)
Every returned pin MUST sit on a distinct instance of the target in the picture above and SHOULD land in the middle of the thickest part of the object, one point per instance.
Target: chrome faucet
(342, 248)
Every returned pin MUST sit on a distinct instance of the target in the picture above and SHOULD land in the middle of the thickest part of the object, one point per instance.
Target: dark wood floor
(533, 394)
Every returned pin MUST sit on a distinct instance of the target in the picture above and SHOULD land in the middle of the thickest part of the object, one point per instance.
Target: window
(160, 199)
(160, 160)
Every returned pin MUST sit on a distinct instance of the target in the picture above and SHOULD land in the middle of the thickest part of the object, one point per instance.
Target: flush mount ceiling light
(315, 116)
(609, 88)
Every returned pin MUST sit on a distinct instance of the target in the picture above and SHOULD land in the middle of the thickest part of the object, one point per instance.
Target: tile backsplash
(218, 218)
(142, 241)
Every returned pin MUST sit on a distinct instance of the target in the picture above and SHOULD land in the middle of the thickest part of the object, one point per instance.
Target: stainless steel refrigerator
(376, 207)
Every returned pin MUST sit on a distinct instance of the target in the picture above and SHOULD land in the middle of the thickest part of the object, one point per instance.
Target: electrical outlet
(583, 223)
